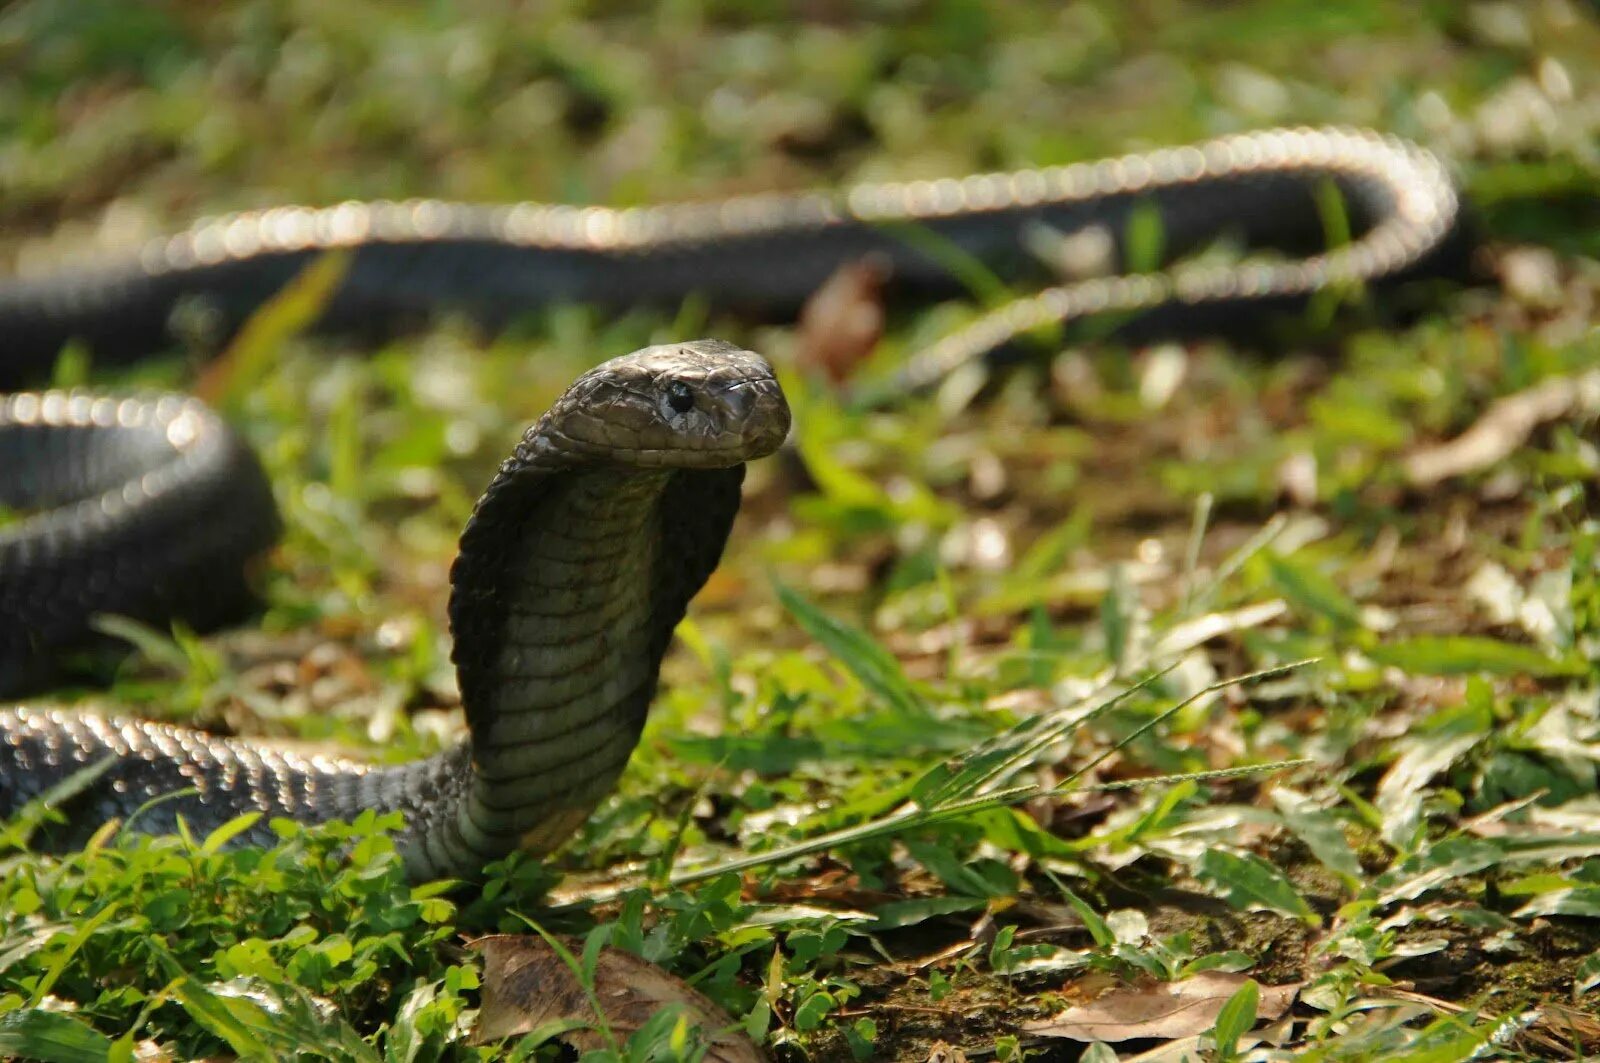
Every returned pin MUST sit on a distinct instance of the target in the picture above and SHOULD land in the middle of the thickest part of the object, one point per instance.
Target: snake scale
(582, 554)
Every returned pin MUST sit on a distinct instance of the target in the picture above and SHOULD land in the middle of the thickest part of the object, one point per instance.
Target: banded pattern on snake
(583, 552)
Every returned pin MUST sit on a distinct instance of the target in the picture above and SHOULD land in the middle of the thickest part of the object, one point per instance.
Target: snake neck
(557, 646)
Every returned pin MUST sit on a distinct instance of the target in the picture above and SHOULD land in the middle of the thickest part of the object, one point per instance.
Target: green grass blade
(861, 655)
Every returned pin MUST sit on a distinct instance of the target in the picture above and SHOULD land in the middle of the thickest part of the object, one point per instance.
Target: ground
(1424, 877)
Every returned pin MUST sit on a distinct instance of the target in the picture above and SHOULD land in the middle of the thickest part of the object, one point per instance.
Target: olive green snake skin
(584, 551)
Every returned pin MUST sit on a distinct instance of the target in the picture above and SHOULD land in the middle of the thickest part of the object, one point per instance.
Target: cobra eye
(680, 396)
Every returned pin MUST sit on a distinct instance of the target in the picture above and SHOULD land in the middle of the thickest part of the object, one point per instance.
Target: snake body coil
(584, 551)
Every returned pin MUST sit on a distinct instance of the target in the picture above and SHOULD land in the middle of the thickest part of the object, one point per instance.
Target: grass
(934, 625)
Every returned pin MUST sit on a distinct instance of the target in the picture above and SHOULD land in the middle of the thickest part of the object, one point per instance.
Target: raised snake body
(583, 552)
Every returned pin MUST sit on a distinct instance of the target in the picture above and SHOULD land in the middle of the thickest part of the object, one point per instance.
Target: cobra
(585, 549)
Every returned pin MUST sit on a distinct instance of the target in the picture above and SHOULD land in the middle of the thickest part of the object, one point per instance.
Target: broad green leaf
(82, 930)
(962, 875)
(1017, 832)
(859, 653)
(597, 939)
(1144, 239)
(51, 1037)
(1158, 815)
(404, 1041)
(1581, 901)
(841, 484)
(1331, 210)
(1321, 831)
(1587, 976)
(35, 812)
(1441, 864)
(1578, 845)
(238, 1022)
(1093, 922)
(897, 914)
(1402, 787)
(346, 461)
(229, 831)
(1231, 961)
(160, 647)
(1116, 616)
(1236, 1018)
(1312, 591)
(1466, 654)
(1249, 883)
(974, 274)
(1353, 419)
(72, 367)
(809, 1015)
(1050, 551)
(295, 307)
(1236, 560)
(22, 942)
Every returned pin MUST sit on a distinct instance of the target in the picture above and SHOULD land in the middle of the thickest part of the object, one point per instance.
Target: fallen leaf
(527, 984)
(1163, 1010)
(841, 322)
(1504, 427)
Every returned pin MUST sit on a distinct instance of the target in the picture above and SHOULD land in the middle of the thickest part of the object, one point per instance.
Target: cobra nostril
(767, 422)
(741, 402)
(742, 398)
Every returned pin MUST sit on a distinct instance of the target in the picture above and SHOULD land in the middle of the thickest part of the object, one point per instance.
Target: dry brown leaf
(1163, 1010)
(527, 984)
(841, 322)
(1504, 427)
